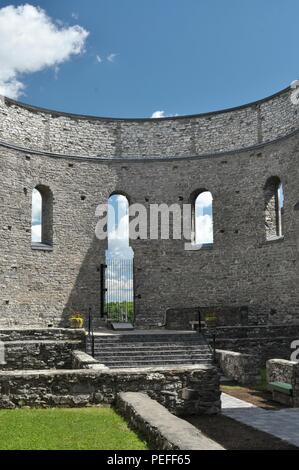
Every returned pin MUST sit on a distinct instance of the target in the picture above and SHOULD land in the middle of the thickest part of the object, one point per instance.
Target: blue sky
(176, 56)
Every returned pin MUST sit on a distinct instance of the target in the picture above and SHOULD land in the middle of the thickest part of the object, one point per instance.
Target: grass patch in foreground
(97, 428)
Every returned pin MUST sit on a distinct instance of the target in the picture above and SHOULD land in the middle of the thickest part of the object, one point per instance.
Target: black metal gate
(117, 287)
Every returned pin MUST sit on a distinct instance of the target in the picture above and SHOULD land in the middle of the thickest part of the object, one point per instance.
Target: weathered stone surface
(243, 368)
(82, 360)
(161, 429)
(279, 370)
(60, 133)
(43, 348)
(39, 334)
(288, 372)
(264, 342)
(182, 318)
(42, 354)
(89, 386)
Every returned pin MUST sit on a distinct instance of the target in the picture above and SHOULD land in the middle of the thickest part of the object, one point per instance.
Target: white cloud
(75, 16)
(204, 200)
(118, 227)
(204, 229)
(118, 240)
(36, 207)
(204, 218)
(36, 227)
(111, 57)
(56, 72)
(36, 233)
(161, 114)
(99, 59)
(158, 114)
(31, 41)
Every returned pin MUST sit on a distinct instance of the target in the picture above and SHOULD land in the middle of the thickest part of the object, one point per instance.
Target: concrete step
(162, 338)
(112, 357)
(151, 363)
(141, 341)
(135, 351)
(160, 348)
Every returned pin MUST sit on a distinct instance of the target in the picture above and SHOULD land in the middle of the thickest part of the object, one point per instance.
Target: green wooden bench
(281, 387)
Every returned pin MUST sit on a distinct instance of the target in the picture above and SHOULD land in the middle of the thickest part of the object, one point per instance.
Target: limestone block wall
(67, 134)
(184, 390)
(243, 368)
(263, 342)
(84, 159)
(279, 370)
(285, 371)
(40, 348)
(37, 355)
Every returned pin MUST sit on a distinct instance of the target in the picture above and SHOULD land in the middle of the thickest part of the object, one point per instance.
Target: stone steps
(148, 356)
(147, 338)
(150, 345)
(153, 363)
(146, 350)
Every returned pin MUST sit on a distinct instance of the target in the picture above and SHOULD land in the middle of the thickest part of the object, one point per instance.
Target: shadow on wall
(86, 292)
(296, 210)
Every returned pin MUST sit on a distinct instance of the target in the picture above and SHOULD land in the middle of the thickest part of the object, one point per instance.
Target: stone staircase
(150, 349)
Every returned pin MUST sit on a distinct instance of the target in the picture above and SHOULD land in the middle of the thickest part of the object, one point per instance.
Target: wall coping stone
(110, 372)
(243, 368)
(56, 113)
(41, 341)
(161, 428)
(82, 360)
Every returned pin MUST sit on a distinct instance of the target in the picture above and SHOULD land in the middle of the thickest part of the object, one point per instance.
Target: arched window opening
(42, 216)
(119, 298)
(274, 203)
(202, 219)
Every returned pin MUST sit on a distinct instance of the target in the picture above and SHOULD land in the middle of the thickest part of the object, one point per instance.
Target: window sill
(41, 247)
(274, 240)
(205, 246)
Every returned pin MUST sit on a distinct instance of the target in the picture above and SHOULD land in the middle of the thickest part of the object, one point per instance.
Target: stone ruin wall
(84, 159)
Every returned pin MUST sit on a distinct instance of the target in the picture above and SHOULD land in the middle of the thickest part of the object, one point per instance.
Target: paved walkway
(163, 429)
(283, 424)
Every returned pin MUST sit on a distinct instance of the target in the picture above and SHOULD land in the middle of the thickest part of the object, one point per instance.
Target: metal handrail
(90, 331)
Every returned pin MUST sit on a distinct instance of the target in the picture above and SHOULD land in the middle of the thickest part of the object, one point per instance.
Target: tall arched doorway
(119, 272)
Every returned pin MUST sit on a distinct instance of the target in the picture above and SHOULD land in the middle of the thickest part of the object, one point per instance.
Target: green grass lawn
(66, 429)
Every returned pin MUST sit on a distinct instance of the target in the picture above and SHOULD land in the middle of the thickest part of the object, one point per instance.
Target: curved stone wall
(231, 153)
(59, 133)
